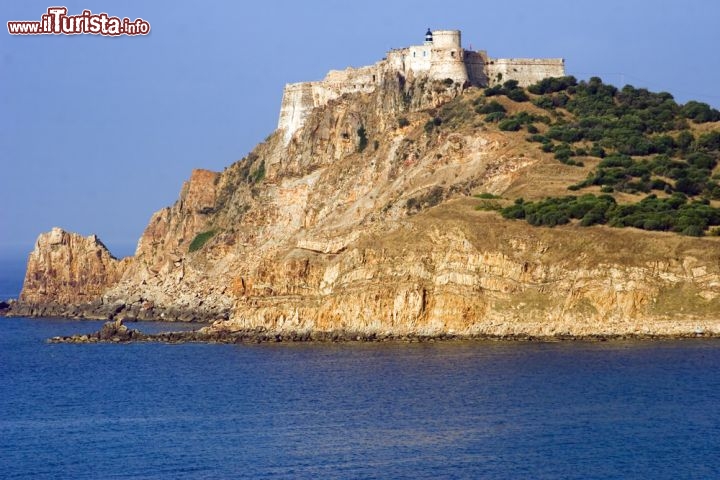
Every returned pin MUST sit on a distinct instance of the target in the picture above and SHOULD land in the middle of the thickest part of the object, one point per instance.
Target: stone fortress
(440, 57)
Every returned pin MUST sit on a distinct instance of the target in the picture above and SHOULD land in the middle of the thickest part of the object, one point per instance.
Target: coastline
(214, 330)
(118, 332)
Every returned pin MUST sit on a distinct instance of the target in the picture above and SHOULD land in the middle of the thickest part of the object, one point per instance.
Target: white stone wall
(300, 98)
(418, 59)
(525, 70)
(297, 103)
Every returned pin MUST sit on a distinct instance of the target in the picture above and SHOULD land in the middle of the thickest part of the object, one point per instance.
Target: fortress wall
(297, 103)
(300, 98)
(525, 70)
(395, 59)
(353, 77)
(475, 65)
(417, 59)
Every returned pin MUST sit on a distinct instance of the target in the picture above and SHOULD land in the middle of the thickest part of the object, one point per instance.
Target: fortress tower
(447, 56)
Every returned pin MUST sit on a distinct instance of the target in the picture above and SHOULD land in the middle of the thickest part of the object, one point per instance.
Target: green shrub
(684, 140)
(518, 95)
(259, 173)
(699, 112)
(693, 231)
(493, 91)
(537, 138)
(488, 205)
(403, 122)
(490, 107)
(616, 161)
(432, 123)
(509, 125)
(494, 117)
(511, 89)
(426, 200)
(551, 102)
(552, 85)
(709, 141)
(596, 151)
(563, 153)
(544, 101)
(200, 240)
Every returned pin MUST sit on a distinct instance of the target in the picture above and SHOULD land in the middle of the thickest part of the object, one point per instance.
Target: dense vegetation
(674, 213)
(644, 140)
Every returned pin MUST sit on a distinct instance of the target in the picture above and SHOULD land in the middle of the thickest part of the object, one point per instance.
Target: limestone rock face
(363, 220)
(67, 268)
(479, 275)
(165, 277)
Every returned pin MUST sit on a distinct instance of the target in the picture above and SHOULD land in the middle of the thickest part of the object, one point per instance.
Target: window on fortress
(413, 54)
(424, 53)
(452, 54)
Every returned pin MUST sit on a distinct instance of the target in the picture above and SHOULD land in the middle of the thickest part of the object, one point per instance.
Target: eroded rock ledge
(117, 332)
(98, 310)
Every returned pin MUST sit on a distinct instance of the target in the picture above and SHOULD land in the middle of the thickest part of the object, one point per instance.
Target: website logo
(57, 22)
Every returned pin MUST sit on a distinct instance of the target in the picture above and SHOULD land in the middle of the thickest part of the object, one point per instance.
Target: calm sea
(461, 410)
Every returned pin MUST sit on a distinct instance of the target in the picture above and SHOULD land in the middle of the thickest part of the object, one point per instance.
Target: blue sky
(97, 133)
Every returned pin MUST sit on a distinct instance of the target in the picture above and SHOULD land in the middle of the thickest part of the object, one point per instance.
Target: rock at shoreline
(114, 331)
(66, 268)
(117, 332)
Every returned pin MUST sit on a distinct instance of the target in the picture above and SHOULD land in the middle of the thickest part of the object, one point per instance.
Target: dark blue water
(475, 410)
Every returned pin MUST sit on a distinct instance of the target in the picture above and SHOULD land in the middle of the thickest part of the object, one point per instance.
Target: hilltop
(400, 211)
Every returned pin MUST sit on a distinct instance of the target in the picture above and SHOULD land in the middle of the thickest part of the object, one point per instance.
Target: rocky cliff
(364, 221)
(66, 270)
